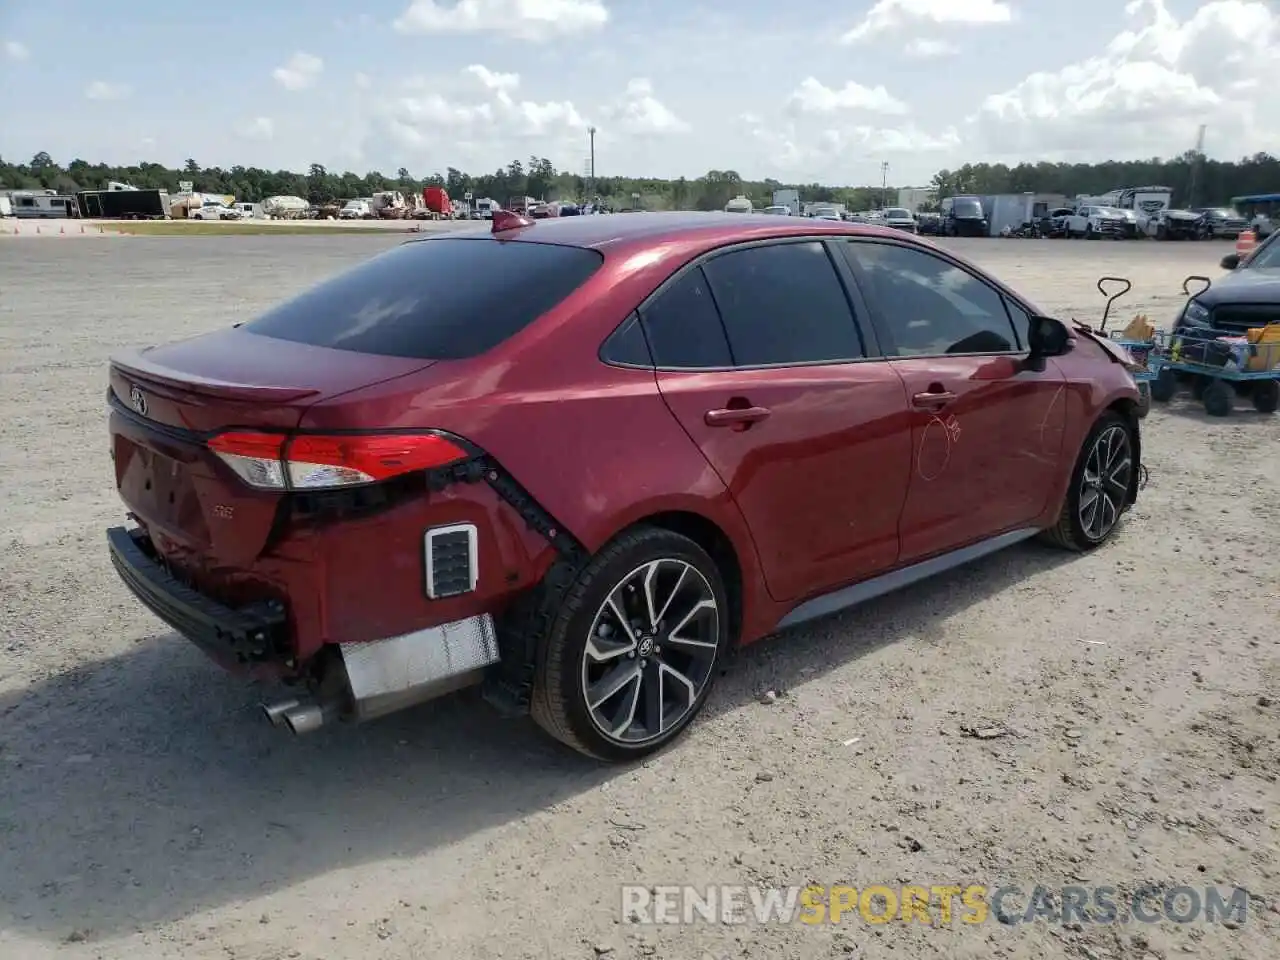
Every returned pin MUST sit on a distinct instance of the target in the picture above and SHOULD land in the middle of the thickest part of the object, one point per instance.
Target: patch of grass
(188, 228)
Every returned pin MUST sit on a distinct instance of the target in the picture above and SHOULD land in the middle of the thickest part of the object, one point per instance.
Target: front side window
(783, 303)
(930, 306)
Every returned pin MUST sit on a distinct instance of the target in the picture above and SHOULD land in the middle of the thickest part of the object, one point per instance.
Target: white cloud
(536, 20)
(639, 112)
(889, 15)
(805, 153)
(925, 49)
(15, 50)
(420, 118)
(300, 72)
(362, 81)
(102, 90)
(812, 96)
(1145, 92)
(503, 85)
(259, 128)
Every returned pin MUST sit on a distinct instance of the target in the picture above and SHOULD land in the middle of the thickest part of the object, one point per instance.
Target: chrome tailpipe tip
(309, 717)
(274, 712)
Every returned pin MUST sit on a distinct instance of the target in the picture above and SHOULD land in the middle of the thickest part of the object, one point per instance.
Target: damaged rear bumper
(348, 681)
(247, 637)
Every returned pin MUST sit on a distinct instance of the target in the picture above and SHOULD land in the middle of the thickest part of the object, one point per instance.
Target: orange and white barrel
(1246, 242)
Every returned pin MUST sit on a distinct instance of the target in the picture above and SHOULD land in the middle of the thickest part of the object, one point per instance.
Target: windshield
(967, 207)
(826, 212)
(897, 213)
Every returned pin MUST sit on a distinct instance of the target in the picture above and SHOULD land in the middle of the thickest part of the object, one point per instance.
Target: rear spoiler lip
(137, 367)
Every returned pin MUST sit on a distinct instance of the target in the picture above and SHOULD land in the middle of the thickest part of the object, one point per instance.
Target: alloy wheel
(1104, 485)
(650, 652)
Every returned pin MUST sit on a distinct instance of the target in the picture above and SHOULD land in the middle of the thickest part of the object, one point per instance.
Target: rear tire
(645, 575)
(1218, 399)
(1266, 395)
(1098, 494)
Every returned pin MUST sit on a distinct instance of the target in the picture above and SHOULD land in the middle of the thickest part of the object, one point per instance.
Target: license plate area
(159, 489)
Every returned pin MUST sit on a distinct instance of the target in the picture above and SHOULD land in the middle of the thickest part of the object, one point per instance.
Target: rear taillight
(273, 461)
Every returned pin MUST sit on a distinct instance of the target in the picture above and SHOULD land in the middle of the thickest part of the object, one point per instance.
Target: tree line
(1194, 178)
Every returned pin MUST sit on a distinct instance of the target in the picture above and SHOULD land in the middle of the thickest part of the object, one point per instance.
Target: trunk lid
(169, 399)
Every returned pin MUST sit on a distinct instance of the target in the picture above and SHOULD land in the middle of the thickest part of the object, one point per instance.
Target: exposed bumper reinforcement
(250, 635)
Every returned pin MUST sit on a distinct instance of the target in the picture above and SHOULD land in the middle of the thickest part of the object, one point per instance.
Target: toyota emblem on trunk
(138, 400)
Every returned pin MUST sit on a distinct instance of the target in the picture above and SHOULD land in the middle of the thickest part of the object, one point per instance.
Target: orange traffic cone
(1246, 242)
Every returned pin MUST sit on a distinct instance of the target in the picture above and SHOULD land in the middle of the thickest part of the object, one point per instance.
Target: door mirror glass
(1047, 337)
(1230, 261)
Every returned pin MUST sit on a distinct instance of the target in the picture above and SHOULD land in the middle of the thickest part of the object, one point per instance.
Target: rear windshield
(440, 299)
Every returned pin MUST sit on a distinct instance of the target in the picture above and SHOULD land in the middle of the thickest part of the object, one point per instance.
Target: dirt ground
(1127, 706)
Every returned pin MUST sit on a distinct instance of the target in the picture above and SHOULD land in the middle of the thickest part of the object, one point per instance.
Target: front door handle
(734, 416)
(934, 398)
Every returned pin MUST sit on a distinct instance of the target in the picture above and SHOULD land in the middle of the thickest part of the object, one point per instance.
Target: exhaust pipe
(274, 712)
(309, 717)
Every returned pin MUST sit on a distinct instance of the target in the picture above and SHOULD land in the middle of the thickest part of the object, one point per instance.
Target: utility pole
(591, 133)
(1196, 156)
(884, 184)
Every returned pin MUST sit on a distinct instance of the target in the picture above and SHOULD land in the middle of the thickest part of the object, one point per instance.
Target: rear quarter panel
(593, 444)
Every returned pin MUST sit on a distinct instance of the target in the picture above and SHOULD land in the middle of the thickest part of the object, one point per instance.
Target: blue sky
(805, 90)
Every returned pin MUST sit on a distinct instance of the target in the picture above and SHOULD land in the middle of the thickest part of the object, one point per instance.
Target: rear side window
(683, 326)
(783, 303)
(442, 299)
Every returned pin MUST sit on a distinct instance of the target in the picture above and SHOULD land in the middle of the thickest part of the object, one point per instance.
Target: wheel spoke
(662, 614)
(627, 715)
(609, 685)
(650, 603)
(655, 720)
(620, 614)
(602, 649)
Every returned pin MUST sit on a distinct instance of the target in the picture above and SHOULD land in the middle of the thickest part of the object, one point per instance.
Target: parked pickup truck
(1222, 222)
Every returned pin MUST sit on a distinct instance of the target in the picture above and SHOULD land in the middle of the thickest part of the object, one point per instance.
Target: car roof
(611, 231)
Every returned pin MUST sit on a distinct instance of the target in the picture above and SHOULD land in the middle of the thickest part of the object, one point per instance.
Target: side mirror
(1230, 261)
(1046, 337)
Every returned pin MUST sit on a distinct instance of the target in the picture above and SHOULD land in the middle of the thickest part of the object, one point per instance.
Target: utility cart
(1218, 363)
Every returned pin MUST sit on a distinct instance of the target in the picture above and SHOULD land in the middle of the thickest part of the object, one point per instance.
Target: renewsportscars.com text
(942, 904)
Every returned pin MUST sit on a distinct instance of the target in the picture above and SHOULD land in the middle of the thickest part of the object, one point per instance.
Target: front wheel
(1165, 385)
(1099, 490)
(630, 657)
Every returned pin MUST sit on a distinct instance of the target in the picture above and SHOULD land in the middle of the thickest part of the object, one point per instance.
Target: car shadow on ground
(146, 788)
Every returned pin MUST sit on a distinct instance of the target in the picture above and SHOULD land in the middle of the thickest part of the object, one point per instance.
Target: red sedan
(575, 461)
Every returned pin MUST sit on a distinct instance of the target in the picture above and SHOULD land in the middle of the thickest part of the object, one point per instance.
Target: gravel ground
(1125, 705)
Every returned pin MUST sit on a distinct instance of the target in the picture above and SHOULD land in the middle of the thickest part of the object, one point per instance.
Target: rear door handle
(731, 416)
(935, 398)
